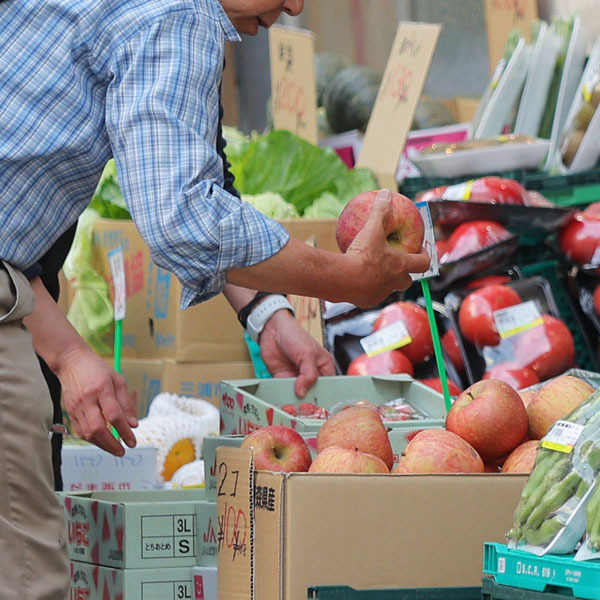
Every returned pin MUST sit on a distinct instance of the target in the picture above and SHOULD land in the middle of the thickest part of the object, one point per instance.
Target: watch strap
(259, 316)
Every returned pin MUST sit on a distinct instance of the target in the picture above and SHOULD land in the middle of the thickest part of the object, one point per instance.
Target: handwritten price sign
(235, 517)
(397, 99)
(293, 89)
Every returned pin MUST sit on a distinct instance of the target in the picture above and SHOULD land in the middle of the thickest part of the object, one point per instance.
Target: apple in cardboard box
(278, 448)
(384, 363)
(547, 349)
(512, 373)
(554, 401)
(476, 313)
(522, 458)
(357, 428)
(527, 396)
(490, 415)
(404, 228)
(416, 322)
(438, 451)
(334, 459)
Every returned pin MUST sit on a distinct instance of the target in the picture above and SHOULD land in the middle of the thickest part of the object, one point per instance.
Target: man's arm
(94, 394)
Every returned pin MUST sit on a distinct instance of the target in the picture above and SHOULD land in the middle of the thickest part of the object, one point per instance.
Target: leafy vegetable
(300, 172)
(327, 206)
(272, 205)
(108, 199)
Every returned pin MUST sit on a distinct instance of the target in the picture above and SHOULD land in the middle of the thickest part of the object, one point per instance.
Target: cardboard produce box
(204, 580)
(134, 530)
(148, 377)
(252, 403)
(86, 467)
(323, 230)
(154, 325)
(208, 530)
(93, 582)
(394, 531)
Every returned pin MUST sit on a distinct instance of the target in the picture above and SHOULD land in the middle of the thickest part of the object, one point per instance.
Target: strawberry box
(134, 530)
(248, 404)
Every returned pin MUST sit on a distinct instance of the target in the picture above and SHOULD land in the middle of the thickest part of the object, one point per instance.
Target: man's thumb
(382, 204)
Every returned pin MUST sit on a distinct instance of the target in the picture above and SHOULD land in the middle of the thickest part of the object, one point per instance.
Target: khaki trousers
(33, 559)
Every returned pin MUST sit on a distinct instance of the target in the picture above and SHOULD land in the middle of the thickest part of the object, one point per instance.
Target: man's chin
(246, 26)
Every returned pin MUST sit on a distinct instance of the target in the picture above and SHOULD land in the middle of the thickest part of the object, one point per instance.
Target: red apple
(522, 458)
(438, 451)
(472, 236)
(490, 415)
(476, 313)
(498, 190)
(537, 199)
(512, 373)
(384, 363)
(580, 238)
(487, 280)
(548, 349)
(491, 468)
(597, 299)
(357, 428)
(416, 322)
(592, 210)
(335, 459)
(278, 448)
(432, 194)
(441, 247)
(436, 384)
(404, 229)
(554, 401)
(452, 349)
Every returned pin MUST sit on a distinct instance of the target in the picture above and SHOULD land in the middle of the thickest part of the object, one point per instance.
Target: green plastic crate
(553, 573)
(550, 270)
(332, 592)
(577, 189)
(490, 590)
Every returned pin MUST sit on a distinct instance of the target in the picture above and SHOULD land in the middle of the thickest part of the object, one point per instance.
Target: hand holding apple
(278, 448)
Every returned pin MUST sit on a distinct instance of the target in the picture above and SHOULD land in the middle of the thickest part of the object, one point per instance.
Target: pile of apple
(489, 428)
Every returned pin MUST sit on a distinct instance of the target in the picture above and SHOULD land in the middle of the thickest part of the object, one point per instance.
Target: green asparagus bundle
(550, 514)
(590, 546)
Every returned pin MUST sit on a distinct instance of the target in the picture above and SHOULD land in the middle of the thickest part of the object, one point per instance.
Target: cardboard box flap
(235, 523)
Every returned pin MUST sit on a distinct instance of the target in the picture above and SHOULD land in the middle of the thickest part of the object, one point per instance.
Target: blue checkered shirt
(84, 80)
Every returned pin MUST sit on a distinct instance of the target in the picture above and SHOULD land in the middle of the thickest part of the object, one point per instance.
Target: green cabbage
(272, 205)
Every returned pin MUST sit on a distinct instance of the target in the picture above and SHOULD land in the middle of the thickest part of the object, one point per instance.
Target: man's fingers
(325, 363)
(417, 263)
(113, 413)
(98, 433)
(307, 375)
(126, 400)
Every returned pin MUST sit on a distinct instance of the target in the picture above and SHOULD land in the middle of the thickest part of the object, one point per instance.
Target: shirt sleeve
(162, 118)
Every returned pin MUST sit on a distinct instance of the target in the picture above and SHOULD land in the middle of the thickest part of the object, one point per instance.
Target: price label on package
(428, 243)
(515, 319)
(391, 337)
(563, 436)
(117, 269)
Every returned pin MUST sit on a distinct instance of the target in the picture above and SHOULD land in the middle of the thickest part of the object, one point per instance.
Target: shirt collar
(231, 34)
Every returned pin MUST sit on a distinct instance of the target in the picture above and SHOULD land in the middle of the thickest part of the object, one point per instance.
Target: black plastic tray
(342, 592)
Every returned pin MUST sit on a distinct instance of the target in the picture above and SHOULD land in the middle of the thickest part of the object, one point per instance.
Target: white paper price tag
(428, 243)
(390, 337)
(515, 319)
(117, 269)
(563, 436)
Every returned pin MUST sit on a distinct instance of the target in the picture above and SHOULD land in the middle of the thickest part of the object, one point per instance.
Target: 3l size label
(563, 436)
(391, 337)
(515, 319)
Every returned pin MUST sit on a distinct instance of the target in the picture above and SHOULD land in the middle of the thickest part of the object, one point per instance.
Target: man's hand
(289, 351)
(96, 397)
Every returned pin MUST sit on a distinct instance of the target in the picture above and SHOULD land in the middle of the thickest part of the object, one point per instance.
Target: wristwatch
(263, 312)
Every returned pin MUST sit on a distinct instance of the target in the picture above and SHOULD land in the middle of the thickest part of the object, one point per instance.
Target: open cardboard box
(284, 532)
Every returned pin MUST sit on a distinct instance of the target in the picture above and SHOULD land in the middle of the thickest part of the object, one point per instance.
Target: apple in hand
(436, 384)
(344, 460)
(438, 451)
(278, 448)
(384, 363)
(547, 349)
(357, 428)
(404, 228)
(476, 313)
(416, 322)
(512, 373)
(522, 458)
(473, 236)
(490, 415)
(554, 401)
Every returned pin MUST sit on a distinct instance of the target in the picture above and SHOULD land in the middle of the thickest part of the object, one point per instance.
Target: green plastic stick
(437, 346)
(117, 359)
